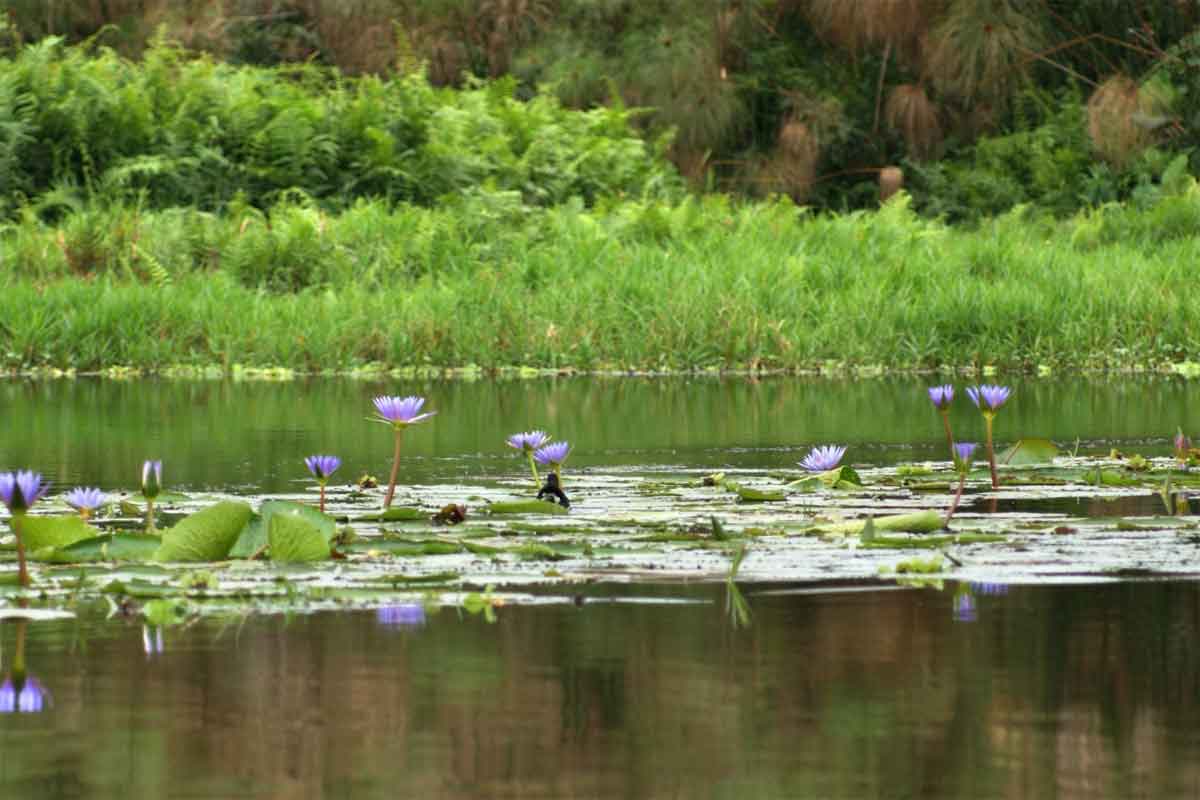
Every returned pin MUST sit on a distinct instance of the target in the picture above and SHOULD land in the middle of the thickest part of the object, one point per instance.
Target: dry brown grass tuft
(910, 111)
(857, 24)
(1113, 111)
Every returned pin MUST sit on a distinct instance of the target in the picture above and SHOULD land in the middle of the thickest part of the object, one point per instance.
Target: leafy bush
(176, 130)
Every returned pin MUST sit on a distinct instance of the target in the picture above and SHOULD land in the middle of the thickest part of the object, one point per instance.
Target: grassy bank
(696, 285)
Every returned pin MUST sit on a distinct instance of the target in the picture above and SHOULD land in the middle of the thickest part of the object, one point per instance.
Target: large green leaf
(295, 537)
(106, 547)
(252, 540)
(323, 522)
(207, 535)
(1028, 451)
(38, 533)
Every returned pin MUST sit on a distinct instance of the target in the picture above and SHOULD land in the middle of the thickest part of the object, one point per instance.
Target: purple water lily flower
(823, 459)
(408, 615)
(20, 490)
(322, 467)
(980, 587)
(963, 453)
(941, 396)
(552, 455)
(988, 397)
(85, 499)
(400, 411)
(23, 696)
(529, 441)
(151, 478)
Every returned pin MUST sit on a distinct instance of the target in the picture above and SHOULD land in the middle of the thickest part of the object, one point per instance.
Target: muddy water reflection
(1072, 692)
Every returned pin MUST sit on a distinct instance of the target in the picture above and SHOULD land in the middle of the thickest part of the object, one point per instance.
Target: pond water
(253, 436)
(617, 669)
(832, 692)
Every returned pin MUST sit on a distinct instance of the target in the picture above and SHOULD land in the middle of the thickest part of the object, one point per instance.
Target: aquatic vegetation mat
(489, 543)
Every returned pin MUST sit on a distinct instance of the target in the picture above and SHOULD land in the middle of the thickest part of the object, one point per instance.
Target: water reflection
(407, 615)
(1070, 692)
(22, 693)
(152, 640)
(223, 434)
(964, 607)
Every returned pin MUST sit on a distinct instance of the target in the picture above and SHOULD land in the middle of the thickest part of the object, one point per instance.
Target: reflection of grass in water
(736, 606)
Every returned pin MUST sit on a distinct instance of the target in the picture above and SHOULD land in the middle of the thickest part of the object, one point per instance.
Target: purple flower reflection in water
(964, 608)
(152, 640)
(23, 696)
(407, 615)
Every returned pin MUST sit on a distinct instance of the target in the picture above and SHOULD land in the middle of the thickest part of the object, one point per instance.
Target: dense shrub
(173, 130)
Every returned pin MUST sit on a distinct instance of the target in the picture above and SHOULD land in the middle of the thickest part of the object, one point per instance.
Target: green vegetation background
(613, 185)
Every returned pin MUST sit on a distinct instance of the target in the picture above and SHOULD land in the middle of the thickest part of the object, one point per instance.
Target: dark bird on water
(553, 492)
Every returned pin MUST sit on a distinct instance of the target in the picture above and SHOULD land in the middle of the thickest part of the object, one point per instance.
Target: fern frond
(159, 275)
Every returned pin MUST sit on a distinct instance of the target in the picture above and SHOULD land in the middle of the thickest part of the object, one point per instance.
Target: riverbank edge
(828, 371)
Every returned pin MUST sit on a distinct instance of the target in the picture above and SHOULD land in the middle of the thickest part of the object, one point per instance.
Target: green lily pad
(747, 494)
(843, 477)
(296, 538)
(395, 514)
(38, 533)
(106, 547)
(1108, 477)
(526, 507)
(166, 612)
(1028, 451)
(918, 522)
(538, 552)
(405, 547)
(136, 506)
(207, 535)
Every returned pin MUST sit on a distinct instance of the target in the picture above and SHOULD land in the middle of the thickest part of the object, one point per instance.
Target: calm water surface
(254, 436)
(1066, 692)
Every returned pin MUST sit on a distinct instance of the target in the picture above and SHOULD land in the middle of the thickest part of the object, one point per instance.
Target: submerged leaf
(106, 547)
(296, 538)
(207, 535)
(1028, 451)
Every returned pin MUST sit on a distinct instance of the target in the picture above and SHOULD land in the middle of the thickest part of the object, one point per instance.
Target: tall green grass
(635, 285)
